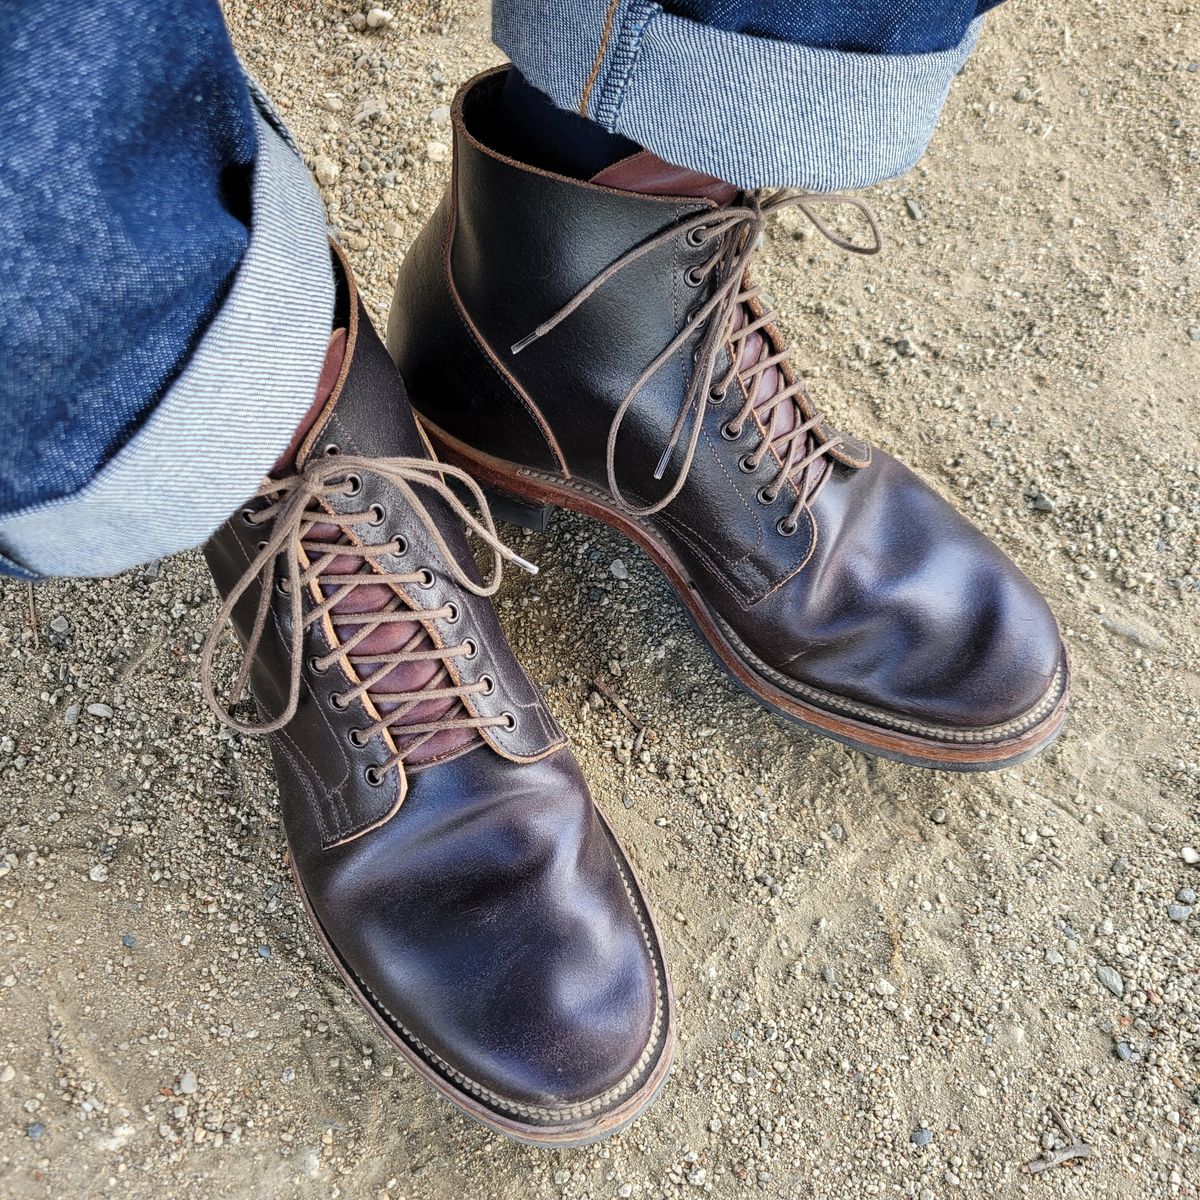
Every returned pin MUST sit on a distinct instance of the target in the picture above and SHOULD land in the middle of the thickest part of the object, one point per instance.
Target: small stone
(921, 1137)
(128, 941)
(71, 716)
(619, 569)
(98, 873)
(393, 230)
(1110, 979)
(326, 170)
(264, 952)
(103, 711)
(1179, 912)
(35, 1130)
(1186, 895)
(1190, 855)
(697, 1175)
(1054, 957)
(905, 347)
(1126, 1053)
(379, 18)
(440, 115)
(437, 152)
(60, 624)
(187, 1085)
(1194, 332)
(829, 975)
(1023, 95)
(939, 816)
(884, 988)
(288, 1075)
(7, 1075)
(914, 209)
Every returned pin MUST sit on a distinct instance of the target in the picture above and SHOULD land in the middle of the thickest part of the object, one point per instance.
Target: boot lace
(295, 506)
(733, 233)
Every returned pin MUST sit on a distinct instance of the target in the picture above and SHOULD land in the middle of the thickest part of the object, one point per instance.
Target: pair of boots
(596, 345)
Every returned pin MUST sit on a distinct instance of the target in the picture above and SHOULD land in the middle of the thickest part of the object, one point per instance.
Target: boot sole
(565, 1136)
(525, 497)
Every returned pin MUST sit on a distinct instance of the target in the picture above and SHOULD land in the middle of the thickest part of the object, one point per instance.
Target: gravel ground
(891, 982)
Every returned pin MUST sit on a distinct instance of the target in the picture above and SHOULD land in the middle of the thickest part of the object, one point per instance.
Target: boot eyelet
(378, 515)
(510, 722)
(249, 516)
(314, 665)
(283, 587)
(488, 685)
(400, 545)
(693, 277)
(453, 615)
(716, 395)
(425, 578)
(338, 700)
(353, 485)
(729, 433)
(261, 547)
(697, 236)
(785, 527)
(474, 649)
(357, 737)
(333, 448)
(766, 496)
(748, 464)
(373, 775)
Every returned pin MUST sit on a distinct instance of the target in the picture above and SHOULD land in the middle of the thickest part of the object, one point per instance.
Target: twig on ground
(1055, 1158)
(599, 684)
(33, 619)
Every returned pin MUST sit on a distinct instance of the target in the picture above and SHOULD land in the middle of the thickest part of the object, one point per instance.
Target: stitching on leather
(493, 360)
(557, 1112)
(291, 750)
(989, 733)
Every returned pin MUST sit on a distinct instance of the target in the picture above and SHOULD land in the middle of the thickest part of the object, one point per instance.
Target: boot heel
(515, 511)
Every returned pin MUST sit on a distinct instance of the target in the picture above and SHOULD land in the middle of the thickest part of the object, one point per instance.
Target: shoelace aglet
(523, 563)
(661, 469)
(529, 339)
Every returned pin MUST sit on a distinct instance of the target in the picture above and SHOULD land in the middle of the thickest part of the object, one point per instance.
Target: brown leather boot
(442, 838)
(599, 345)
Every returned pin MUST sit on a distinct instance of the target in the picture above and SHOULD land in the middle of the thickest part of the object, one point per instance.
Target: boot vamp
(495, 918)
(906, 607)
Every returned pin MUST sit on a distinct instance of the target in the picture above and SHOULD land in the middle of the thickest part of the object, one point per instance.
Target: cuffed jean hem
(214, 435)
(752, 111)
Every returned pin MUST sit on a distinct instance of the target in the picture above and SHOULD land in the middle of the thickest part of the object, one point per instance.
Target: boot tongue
(372, 598)
(649, 175)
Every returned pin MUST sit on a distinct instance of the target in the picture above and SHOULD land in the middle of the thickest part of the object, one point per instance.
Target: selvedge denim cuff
(209, 441)
(753, 111)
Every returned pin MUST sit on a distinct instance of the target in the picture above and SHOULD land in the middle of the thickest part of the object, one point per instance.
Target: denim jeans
(165, 284)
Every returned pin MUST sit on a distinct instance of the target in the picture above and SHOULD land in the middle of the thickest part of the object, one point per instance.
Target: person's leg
(817, 95)
(165, 287)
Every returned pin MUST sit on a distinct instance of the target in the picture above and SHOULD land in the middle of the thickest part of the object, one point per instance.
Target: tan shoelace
(734, 232)
(294, 508)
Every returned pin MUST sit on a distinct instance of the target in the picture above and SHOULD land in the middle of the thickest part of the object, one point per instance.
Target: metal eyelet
(248, 515)
(785, 527)
(283, 587)
(488, 683)
(353, 485)
(333, 448)
(425, 578)
(766, 496)
(696, 236)
(261, 546)
(314, 665)
(357, 737)
(453, 615)
(729, 433)
(378, 514)
(716, 395)
(338, 700)
(693, 277)
(510, 722)
(373, 775)
(400, 544)
(748, 464)
(474, 648)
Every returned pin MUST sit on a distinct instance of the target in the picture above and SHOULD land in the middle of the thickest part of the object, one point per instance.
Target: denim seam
(621, 59)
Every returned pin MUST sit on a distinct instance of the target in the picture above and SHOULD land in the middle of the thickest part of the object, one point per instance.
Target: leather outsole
(524, 496)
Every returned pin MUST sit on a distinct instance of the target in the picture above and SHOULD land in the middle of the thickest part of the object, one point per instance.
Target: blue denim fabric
(127, 135)
(908, 27)
(758, 111)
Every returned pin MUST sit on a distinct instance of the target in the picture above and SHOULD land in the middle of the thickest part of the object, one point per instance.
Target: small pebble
(379, 18)
(1186, 895)
(1110, 979)
(914, 209)
(187, 1085)
(35, 1130)
(1179, 912)
(437, 152)
(939, 816)
(98, 873)
(326, 170)
(884, 988)
(619, 569)
(921, 1137)
(1190, 855)
(103, 711)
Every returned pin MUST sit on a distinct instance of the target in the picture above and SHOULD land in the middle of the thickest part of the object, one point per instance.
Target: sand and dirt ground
(889, 980)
